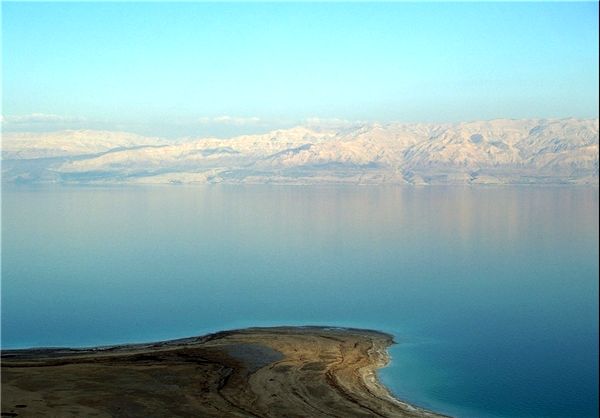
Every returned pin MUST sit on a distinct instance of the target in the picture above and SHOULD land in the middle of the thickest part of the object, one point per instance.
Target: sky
(176, 69)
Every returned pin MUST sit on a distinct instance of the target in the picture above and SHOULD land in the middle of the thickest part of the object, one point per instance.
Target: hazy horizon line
(39, 123)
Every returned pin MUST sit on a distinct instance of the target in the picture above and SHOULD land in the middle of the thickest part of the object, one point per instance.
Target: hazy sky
(187, 68)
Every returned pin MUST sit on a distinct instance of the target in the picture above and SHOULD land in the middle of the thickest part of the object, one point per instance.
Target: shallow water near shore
(492, 293)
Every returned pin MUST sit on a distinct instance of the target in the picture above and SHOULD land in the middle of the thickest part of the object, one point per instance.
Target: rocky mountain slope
(498, 152)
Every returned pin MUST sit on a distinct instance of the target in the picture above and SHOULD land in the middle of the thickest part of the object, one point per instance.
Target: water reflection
(481, 280)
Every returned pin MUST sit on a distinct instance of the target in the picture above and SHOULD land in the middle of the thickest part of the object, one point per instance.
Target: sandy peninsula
(255, 372)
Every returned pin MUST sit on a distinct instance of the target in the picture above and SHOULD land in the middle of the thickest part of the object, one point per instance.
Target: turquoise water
(492, 293)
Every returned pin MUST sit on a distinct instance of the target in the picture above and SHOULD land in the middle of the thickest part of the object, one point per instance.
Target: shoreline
(259, 372)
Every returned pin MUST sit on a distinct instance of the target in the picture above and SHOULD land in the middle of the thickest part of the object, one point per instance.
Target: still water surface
(492, 293)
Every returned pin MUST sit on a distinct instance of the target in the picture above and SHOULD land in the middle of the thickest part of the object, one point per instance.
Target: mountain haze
(491, 152)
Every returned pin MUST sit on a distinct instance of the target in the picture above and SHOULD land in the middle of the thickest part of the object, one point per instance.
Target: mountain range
(502, 151)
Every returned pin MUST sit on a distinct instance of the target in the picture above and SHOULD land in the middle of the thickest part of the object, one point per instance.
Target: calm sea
(492, 293)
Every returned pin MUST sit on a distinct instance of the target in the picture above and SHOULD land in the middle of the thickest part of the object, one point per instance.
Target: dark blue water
(492, 293)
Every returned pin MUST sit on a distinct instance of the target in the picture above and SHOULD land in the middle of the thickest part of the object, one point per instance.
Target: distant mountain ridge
(503, 151)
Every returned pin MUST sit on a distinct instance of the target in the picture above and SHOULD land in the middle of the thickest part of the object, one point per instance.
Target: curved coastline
(257, 372)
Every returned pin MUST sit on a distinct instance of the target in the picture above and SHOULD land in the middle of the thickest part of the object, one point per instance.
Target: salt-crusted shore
(255, 372)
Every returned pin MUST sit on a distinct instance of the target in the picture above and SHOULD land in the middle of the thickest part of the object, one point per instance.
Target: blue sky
(189, 68)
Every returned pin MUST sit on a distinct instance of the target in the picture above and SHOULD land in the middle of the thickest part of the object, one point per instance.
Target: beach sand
(255, 372)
